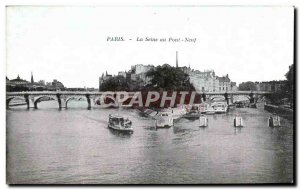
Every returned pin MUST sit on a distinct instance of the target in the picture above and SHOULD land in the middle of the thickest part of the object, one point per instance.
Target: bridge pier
(251, 98)
(88, 101)
(256, 98)
(231, 98)
(204, 97)
(27, 100)
(226, 98)
(61, 101)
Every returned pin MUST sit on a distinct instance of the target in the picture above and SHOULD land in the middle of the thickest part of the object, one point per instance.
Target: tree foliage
(247, 86)
(167, 77)
(117, 83)
(285, 94)
(290, 74)
(289, 88)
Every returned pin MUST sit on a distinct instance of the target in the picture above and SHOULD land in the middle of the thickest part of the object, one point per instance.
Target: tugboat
(238, 121)
(164, 120)
(274, 121)
(203, 121)
(119, 123)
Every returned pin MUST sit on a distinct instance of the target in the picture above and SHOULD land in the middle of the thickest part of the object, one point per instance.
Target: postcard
(150, 95)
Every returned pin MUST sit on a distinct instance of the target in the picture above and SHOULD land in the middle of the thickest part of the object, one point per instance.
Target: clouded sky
(70, 43)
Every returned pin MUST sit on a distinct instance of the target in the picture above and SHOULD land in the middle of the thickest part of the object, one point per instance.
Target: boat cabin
(119, 120)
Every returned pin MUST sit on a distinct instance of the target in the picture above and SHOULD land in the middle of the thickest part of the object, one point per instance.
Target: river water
(48, 145)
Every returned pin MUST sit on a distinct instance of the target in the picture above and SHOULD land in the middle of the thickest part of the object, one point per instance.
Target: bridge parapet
(62, 97)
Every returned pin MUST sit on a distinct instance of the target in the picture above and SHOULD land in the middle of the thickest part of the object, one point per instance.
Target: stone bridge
(231, 97)
(32, 98)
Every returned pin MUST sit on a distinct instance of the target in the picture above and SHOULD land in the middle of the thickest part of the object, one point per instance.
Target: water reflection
(237, 130)
(120, 134)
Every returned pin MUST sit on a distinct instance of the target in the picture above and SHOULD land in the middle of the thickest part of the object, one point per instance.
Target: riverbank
(284, 112)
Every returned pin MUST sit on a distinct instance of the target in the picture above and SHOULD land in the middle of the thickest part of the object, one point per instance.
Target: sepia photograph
(157, 95)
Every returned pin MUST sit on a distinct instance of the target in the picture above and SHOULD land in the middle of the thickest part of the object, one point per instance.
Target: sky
(71, 44)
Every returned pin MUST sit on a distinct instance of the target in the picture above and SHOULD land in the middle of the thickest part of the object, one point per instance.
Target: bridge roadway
(32, 98)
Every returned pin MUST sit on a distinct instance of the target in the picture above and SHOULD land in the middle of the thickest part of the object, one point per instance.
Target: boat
(240, 104)
(238, 121)
(203, 121)
(147, 112)
(194, 112)
(274, 121)
(164, 120)
(220, 107)
(119, 123)
(176, 112)
(203, 107)
(260, 105)
(192, 115)
(210, 110)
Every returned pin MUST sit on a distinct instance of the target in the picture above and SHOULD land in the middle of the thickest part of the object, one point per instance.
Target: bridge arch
(99, 100)
(240, 96)
(77, 98)
(217, 97)
(38, 99)
(9, 99)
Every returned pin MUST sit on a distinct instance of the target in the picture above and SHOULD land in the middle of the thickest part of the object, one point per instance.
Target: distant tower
(176, 59)
(32, 81)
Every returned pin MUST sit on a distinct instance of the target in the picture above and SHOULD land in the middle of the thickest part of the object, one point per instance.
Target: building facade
(270, 86)
(207, 81)
(136, 77)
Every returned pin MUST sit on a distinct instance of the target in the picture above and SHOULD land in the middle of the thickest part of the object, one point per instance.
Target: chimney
(176, 59)
(32, 81)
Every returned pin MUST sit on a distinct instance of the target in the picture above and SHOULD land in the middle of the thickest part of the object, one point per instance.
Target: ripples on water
(75, 146)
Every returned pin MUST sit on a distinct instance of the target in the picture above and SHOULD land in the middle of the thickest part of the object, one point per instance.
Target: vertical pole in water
(234, 121)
